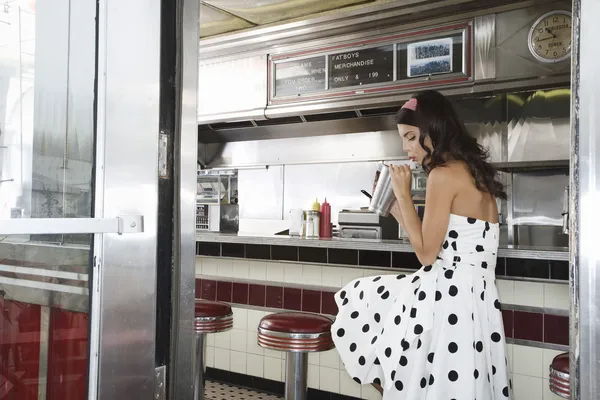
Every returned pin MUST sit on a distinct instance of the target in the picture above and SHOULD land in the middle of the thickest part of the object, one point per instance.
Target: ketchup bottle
(325, 227)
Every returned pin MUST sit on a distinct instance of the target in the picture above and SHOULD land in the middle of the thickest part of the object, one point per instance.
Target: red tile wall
(534, 326)
(67, 355)
(19, 350)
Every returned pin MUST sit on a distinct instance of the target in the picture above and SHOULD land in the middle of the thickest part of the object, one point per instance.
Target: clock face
(550, 37)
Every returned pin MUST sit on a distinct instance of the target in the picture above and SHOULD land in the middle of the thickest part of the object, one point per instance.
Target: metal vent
(330, 116)
(379, 111)
(230, 125)
(279, 121)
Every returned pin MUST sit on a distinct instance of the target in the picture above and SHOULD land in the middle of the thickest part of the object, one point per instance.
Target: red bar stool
(559, 376)
(297, 334)
(211, 317)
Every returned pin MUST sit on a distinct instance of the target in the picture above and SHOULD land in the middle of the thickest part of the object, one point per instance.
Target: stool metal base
(296, 376)
(199, 369)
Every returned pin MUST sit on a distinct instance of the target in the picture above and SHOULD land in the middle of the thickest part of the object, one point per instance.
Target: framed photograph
(430, 57)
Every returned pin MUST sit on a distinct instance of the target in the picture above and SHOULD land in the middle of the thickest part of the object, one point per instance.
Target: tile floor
(222, 391)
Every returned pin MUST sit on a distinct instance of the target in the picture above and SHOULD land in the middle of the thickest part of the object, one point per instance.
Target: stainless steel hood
(223, 16)
(235, 86)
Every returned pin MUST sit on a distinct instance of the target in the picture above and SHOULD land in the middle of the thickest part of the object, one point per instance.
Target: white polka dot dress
(435, 334)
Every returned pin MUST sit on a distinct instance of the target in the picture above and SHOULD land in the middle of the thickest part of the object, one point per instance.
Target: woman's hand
(401, 180)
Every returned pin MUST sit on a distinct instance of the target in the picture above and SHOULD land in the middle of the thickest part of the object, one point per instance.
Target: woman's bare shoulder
(452, 173)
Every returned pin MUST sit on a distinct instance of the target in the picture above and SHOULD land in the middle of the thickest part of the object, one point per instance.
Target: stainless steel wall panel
(536, 139)
(329, 145)
(128, 112)
(585, 197)
(513, 59)
(368, 146)
(269, 11)
(215, 22)
(484, 44)
(537, 197)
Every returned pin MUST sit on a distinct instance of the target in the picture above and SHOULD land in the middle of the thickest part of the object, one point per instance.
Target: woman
(438, 333)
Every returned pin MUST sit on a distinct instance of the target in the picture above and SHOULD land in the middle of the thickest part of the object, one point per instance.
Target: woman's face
(410, 142)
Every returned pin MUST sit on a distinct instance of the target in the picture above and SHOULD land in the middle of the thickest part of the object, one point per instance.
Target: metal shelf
(524, 166)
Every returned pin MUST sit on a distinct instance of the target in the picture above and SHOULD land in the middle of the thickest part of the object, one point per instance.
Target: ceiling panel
(262, 12)
(215, 22)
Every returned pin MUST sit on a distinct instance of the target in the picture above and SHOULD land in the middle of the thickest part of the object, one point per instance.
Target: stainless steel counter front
(537, 253)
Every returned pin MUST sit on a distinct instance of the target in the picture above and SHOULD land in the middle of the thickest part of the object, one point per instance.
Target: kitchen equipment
(364, 224)
(296, 221)
(366, 194)
(325, 228)
(217, 207)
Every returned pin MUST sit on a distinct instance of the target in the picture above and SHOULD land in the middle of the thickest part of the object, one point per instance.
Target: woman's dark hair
(435, 117)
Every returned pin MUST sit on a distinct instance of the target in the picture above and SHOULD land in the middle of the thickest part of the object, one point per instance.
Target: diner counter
(401, 246)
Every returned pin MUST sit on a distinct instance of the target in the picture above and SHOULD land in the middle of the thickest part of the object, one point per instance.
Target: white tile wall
(225, 267)
(292, 273)
(275, 272)
(241, 269)
(529, 294)
(258, 270)
(209, 266)
(556, 296)
(313, 376)
(528, 361)
(331, 277)
(527, 387)
(330, 379)
(311, 275)
(506, 291)
(238, 351)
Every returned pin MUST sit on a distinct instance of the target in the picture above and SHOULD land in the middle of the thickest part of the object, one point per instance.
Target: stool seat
(559, 376)
(212, 317)
(295, 332)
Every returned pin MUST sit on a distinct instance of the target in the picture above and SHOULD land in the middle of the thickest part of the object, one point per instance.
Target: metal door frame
(584, 201)
(186, 160)
(124, 293)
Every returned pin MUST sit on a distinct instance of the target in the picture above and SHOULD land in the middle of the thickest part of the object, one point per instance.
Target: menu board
(361, 67)
(294, 78)
(382, 64)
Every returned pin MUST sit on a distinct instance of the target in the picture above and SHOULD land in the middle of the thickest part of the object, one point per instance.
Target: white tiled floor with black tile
(222, 391)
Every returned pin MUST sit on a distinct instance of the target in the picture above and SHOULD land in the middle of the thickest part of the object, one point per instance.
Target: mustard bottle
(316, 206)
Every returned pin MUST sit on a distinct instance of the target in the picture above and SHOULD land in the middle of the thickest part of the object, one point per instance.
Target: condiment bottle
(325, 228)
(316, 206)
(316, 210)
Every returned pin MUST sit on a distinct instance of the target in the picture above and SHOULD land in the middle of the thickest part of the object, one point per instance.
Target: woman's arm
(397, 213)
(426, 237)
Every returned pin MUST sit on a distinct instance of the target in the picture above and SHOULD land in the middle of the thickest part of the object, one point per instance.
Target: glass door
(47, 72)
(79, 95)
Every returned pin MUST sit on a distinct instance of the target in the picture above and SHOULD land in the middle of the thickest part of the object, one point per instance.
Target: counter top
(542, 253)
